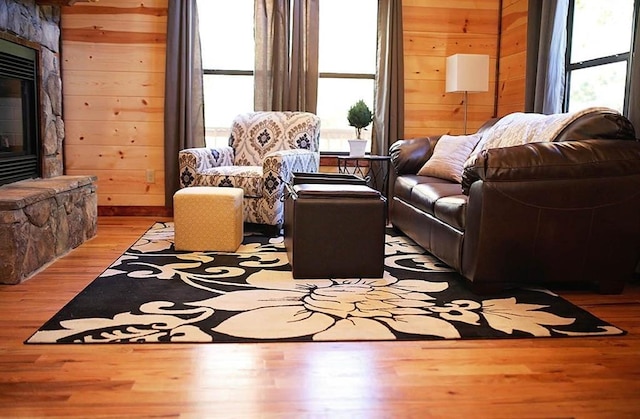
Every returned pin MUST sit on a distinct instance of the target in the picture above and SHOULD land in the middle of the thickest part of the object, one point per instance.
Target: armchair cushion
(248, 178)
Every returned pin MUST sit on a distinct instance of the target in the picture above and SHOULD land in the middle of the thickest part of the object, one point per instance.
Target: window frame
(596, 62)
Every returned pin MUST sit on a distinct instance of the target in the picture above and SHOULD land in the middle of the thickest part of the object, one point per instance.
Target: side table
(373, 169)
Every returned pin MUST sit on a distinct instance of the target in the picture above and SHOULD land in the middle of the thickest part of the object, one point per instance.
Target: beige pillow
(449, 156)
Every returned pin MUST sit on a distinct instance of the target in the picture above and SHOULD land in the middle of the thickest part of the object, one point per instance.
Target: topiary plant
(359, 116)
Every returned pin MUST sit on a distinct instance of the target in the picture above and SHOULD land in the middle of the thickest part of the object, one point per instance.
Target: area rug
(153, 293)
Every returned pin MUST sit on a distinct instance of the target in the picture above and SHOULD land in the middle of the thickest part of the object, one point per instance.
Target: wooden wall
(513, 57)
(434, 30)
(113, 81)
(113, 59)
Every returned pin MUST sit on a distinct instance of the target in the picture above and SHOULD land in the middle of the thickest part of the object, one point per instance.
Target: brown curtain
(634, 93)
(388, 122)
(546, 49)
(184, 100)
(286, 58)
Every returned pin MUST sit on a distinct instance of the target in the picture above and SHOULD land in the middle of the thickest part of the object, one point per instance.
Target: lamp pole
(465, 112)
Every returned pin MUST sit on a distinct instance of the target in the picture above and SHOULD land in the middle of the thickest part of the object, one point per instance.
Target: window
(599, 53)
(347, 65)
(226, 37)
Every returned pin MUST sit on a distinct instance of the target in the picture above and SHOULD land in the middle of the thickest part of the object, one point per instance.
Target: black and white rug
(153, 293)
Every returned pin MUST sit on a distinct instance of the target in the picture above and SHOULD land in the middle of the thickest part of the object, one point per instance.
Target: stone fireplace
(43, 213)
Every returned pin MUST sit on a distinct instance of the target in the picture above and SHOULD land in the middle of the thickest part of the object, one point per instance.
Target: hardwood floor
(523, 378)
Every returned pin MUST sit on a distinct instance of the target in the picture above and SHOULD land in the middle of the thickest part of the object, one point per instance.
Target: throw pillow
(449, 156)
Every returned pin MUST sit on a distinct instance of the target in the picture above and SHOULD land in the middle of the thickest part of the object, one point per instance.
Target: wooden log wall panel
(114, 157)
(113, 59)
(131, 181)
(107, 83)
(434, 30)
(513, 55)
(141, 133)
(109, 108)
(89, 57)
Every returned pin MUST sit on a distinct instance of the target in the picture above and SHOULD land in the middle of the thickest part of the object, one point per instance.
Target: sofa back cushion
(523, 128)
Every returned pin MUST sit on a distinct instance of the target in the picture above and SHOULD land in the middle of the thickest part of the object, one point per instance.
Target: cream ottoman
(208, 218)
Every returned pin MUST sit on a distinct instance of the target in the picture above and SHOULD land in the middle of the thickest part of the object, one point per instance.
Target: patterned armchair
(264, 149)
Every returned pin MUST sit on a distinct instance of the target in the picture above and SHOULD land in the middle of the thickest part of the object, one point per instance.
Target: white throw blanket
(522, 128)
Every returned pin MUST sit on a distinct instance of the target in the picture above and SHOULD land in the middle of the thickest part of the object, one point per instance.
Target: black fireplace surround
(19, 133)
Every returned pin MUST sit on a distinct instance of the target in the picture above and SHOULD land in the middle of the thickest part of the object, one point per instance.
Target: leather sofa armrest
(595, 158)
(408, 156)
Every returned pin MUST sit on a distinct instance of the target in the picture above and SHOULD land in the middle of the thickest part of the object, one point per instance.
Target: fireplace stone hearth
(43, 218)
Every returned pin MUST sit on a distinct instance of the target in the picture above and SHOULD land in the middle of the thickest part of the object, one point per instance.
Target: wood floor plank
(505, 378)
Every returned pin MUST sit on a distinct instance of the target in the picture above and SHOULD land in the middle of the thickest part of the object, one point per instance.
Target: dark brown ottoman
(335, 231)
(298, 178)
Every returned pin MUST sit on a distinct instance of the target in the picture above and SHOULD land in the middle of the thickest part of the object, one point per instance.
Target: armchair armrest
(554, 160)
(408, 156)
(194, 160)
(278, 166)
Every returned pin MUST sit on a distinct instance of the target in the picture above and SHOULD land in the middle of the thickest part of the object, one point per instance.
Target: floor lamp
(467, 73)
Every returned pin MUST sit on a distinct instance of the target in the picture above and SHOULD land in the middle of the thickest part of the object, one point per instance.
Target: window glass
(226, 34)
(225, 97)
(347, 36)
(601, 28)
(226, 38)
(335, 97)
(600, 41)
(602, 85)
(348, 33)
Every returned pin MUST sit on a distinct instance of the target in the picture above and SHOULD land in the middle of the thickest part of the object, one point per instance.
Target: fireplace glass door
(18, 113)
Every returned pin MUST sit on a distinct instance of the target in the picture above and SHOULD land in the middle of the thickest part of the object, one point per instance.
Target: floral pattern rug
(153, 293)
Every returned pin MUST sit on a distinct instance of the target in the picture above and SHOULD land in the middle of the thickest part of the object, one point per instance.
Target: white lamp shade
(468, 73)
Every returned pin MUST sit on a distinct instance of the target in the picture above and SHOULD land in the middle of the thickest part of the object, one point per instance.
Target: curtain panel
(286, 56)
(546, 48)
(388, 118)
(388, 121)
(634, 93)
(184, 98)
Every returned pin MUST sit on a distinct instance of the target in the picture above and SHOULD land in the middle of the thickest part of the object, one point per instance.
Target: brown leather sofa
(566, 210)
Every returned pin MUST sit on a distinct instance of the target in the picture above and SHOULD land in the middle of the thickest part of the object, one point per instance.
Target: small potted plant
(359, 116)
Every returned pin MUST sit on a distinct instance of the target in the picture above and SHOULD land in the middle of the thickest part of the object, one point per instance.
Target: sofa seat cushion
(404, 185)
(452, 210)
(248, 178)
(425, 195)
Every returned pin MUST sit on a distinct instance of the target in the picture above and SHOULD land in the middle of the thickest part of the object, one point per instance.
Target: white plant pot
(357, 148)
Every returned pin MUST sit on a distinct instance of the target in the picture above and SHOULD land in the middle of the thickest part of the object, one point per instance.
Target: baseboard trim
(106, 211)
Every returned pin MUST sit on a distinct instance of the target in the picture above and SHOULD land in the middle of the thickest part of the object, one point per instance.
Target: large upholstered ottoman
(208, 218)
(335, 231)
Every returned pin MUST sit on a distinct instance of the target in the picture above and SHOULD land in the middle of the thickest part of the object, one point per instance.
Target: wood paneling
(513, 57)
(586, 377)
(434, 30)
(113, 81)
